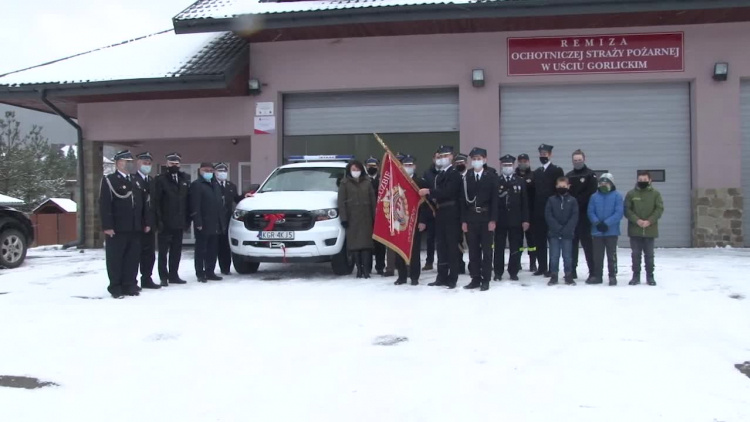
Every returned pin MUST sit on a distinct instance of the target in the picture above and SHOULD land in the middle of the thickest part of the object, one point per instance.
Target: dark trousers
(602, 244)
(430, 233)
(559, 246)
(447, 238)
(514, 236)
(122, 252)
(583, 238)
(530, 245)
(206, 251)
(379, 252)
(414, 270)
(645, 246)
(170, 242)
(148, 255)
(540, 237)
(225, 254)
(479, 240)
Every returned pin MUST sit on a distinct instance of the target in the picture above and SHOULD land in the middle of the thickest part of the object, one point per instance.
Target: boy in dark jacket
(561, 216)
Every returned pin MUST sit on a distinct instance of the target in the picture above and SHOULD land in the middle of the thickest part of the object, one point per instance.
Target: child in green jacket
(643, 209)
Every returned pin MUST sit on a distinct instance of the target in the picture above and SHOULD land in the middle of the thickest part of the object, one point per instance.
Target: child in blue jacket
(605, 212)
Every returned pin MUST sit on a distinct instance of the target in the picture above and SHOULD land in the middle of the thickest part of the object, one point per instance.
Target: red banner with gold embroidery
(397, 208)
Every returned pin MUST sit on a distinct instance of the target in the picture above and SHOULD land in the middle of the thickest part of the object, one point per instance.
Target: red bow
(272, 219)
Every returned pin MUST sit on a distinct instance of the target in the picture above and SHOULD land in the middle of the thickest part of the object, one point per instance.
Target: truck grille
(293, 220)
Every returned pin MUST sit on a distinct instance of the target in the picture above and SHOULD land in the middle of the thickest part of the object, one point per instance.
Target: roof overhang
(452, 12)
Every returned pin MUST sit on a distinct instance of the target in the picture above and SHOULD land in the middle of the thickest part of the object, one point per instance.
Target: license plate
(277, 235)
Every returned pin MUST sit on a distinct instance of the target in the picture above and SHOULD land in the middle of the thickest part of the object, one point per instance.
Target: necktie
(175, 178)
(477, 176)
(128, 177)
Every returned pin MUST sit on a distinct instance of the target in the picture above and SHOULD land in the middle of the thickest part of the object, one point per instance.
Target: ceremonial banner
(397, 207)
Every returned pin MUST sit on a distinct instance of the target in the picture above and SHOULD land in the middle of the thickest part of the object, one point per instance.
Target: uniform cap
(145, 156)
(545, 147)
(174, 157)
(400, 156)
(221, 166)
(460, 158)
(478, 151)
(507, 158)
(123, 155)
(408, 159)
(523, 156)
(206, 164)
(372, 160)
(445, 149)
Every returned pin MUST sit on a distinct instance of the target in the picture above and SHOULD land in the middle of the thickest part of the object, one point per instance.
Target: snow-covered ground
(291, 343)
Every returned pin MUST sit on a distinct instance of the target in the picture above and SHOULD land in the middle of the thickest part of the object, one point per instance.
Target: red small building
(54, 222)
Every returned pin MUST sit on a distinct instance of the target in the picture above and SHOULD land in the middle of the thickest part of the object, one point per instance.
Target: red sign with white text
(616, 53)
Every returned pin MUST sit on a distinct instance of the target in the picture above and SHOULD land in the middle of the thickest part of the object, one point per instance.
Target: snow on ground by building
(9, 200)
(293, 343)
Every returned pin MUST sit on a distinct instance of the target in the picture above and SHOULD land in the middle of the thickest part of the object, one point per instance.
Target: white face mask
(221, 175)
(507, 170)
(443, 162)
(477, 164)
(409, 170)
(355, 173)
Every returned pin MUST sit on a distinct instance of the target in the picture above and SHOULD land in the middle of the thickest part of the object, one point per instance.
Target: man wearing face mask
(209, 222)
(413, 271)
(170, 203)
(148, 240)
(545, 179)
(460, 164)
(124, 218)
(379, 250)
(229, 198)
(479, 218)
(525, 173)
(445, 193)
(429, 178)
(583, 184)
(513, 219)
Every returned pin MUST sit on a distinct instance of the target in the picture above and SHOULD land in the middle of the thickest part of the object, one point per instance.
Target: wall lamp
(721, 70)
(477, 78)
(253, 86)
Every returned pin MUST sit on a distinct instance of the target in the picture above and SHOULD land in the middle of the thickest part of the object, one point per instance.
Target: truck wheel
(13, 248)
(243, 266)
(341, 263)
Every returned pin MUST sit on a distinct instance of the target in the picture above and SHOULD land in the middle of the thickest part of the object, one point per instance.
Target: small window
(656, 175)
(600, 172)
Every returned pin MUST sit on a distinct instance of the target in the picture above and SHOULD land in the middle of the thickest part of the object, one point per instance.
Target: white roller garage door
(622, 128)
(391, 111)
(745, 116)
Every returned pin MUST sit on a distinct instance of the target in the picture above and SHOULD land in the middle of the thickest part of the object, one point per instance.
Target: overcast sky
(36, 31)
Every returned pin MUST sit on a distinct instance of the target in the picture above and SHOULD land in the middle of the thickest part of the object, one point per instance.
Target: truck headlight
(239, 214)
(325, 214)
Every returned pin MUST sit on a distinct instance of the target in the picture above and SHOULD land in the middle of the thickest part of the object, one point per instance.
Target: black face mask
(561, 191)
(544, 160)
(372, 171)
(461, 168)
(173, 170)
(643, 185)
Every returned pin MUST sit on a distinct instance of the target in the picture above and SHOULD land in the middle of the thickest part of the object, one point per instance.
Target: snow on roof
(67, 205)
(160, 55)
(9, 200)
(221, 9)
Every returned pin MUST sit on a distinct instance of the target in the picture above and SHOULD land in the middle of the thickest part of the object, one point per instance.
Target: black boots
(636, 280)
(553, 280)
(574, 275)
(473, 285)
(532, 266)
(612, 280)
(365, 259)
(650, 280)
(593, 280)
(569, 279)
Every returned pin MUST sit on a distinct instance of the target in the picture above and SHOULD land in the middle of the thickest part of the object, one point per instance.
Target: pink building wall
(447, 61)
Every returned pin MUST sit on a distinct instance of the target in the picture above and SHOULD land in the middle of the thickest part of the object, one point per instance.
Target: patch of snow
(9, 200)
(300, 348)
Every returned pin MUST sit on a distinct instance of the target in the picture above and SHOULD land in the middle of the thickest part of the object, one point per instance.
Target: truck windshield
(304, 179)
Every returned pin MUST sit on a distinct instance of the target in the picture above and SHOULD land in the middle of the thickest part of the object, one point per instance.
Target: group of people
(488, 210)
(137, 208)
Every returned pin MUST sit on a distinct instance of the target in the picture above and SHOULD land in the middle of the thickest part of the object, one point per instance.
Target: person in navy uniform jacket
(209, 222)
(545, 178)
(148, 240)
(124, 218)
(512, 220)
(524, 171)
(445, 193)
(414, 270)
(373, 174)
(479, 217)
(229, 198)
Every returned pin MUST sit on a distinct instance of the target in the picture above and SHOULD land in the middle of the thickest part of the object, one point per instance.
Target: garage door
(622, 128)
(745, 90)
(399, 111)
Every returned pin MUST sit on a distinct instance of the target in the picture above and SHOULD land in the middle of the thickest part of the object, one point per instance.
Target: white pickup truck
(292, 217)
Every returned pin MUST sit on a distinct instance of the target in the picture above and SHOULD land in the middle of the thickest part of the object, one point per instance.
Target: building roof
(64, 204)
(9, 200)
(160, 55)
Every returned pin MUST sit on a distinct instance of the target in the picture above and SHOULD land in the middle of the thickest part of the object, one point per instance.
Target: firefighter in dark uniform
(583, 184)
(148, 240)
(371, 167)
(545, 179)
(170, 202)
(207, 214)
(513, 218)
(229, 198)
(429, 179)
(124, 218)
(479, 217)
(524, 171)
(460, 164)
(414, 269)
(445, 193)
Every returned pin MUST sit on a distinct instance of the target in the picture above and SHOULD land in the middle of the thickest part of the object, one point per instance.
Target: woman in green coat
(356, 202)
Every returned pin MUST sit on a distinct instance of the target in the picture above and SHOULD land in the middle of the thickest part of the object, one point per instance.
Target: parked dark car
(16, 235)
